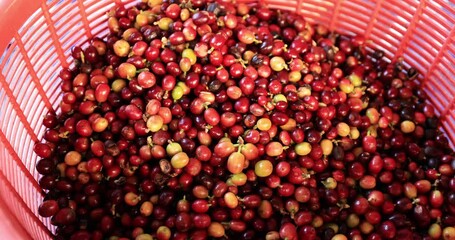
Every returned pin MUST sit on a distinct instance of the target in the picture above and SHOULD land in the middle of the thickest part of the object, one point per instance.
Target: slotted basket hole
(445, 64)
(316, 18)
(36, 58)
(291, 6)
(290, 3)
(26, 156)
(51, 67)
(320, 13)
(384, 29)
(52, 3)
(402, 10)
(97, 26)
(71, 26)
(38, 61)
(96, 7)
(449, 126)
(450, 56)
(100, 31)
(319, 6)
(6, 54)
(390, 17)
(14, 137)
(12, 72)
(399, 28)
(32, 33)
(429, 42)
(385, 32)
(131, 3)
(34, 19)
(353, 11)
(28, 92)
(36, 119)
(418, 62)
(349, 28)
(396, 32)
(445, 86)
(437, 31)
(440, 13)
(63, 10)
(99, 21)
(422, 46)
(388, 48)
(316, 4)
(3, 98)
(54, 91)
(9, 60)
(438, 94)
(33, 158)
(76, 38)
(345, 17)
(21, 81)
(384, 41)
(10, 137)
(34, 43)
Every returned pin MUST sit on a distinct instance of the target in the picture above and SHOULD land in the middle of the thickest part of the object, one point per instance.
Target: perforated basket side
(29, 88)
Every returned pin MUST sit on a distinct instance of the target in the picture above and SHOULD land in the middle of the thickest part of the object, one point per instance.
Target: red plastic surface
(37, 37)
(15, 229)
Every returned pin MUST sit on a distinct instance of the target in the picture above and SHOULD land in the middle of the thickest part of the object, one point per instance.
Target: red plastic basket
(37, 37)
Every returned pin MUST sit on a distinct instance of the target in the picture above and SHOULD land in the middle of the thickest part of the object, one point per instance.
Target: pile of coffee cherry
(202, 119)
